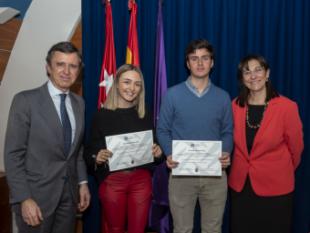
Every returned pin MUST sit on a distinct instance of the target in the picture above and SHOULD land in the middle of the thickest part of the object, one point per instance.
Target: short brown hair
(63, 47)
(199, 44)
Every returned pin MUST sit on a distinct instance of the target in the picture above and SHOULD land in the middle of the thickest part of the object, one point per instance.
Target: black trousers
(254, 214)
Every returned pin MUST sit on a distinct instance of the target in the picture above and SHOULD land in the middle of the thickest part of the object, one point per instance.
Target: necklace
(256, 126)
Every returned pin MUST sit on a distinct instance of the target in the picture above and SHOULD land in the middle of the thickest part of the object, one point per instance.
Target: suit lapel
(78, 114)
(243, 131)
(48, 112)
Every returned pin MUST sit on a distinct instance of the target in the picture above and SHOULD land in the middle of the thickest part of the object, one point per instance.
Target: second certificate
(130, 150)
(197, 158)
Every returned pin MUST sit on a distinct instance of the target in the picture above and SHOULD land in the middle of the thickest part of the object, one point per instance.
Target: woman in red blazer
(268, 142)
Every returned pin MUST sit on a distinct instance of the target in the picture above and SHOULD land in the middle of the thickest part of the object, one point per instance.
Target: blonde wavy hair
(113, 95)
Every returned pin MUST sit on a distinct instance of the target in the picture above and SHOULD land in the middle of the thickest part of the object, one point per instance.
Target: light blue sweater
(186, 116)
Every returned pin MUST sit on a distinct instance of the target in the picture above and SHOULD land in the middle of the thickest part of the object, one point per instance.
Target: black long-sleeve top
(112, 122)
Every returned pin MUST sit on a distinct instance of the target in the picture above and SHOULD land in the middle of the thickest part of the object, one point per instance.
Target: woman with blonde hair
(125, 195)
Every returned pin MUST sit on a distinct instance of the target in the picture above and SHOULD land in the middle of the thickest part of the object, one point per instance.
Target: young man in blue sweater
(197, 110)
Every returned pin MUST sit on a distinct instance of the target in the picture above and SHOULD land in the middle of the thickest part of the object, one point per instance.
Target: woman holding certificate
(125, 194)
(268, 142)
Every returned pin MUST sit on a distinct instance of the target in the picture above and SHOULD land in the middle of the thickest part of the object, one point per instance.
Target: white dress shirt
(55, 94)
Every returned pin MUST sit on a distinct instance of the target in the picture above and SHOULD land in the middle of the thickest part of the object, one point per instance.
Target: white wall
(46, 22)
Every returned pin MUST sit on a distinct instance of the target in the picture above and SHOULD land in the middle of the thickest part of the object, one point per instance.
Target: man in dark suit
(43, 152)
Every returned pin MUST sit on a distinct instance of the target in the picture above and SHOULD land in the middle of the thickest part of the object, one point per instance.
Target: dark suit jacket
(35, 162)
(275, 152)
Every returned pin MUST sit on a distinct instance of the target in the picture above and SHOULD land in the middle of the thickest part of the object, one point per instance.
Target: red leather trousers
(125, 200)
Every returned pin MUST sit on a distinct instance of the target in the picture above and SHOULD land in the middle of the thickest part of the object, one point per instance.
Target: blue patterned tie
(66, 126)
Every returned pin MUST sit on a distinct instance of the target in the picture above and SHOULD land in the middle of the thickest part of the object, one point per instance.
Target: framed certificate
(197, 158)
(130, 150)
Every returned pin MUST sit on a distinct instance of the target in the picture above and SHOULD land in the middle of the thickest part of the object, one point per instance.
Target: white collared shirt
(55, 94)
(193, 89)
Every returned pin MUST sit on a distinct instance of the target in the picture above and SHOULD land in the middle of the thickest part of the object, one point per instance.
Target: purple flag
(160, 64)
(159, 214)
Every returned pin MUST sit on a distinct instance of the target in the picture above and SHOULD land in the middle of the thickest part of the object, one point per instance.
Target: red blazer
(275, 153)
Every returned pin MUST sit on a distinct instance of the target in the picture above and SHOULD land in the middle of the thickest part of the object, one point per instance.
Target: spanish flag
(132, 53)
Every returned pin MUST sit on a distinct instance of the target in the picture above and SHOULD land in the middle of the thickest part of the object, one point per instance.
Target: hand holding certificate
(130, 150)
(197, 158)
